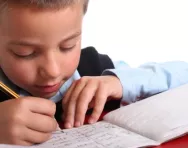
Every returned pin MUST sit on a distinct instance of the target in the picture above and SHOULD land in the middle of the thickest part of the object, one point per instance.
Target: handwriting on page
(99, 135)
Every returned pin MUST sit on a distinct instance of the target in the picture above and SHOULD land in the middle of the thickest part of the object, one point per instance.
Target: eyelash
(33, 54)
(25, 56)
(67, 49)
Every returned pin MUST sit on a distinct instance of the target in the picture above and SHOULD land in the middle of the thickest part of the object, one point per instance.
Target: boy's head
(45, 4)
(40, 42)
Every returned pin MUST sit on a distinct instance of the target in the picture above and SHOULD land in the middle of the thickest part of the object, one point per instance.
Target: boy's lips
(49, 88)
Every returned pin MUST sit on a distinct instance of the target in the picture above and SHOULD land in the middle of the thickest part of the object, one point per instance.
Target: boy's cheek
(72, 61)
(19, 74)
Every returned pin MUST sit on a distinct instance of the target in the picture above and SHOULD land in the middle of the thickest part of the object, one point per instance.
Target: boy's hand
(26, 121)
(89, 92)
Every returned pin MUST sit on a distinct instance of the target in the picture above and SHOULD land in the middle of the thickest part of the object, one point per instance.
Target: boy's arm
(148, 79)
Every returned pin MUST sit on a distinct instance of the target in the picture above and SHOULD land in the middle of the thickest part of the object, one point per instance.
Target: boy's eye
(66, 49)
(25, 56)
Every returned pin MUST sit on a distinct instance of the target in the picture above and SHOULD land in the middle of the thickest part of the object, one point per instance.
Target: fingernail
(77, 124)
(68, 125)
(58, 128)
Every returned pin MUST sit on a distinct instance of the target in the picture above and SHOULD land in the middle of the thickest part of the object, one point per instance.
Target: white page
(99, 135)
(157, 116)
(177, 132)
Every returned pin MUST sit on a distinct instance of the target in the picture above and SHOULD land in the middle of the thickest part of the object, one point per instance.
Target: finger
(41, 123)
(41, 106)
(36, 137)
(100, 100)
(83, 102)
(71, 106)
(67, 123)
(24, 143)
(66, 98)
(67, 95)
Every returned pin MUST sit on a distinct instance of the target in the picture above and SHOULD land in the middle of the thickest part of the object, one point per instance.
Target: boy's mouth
(49, 88)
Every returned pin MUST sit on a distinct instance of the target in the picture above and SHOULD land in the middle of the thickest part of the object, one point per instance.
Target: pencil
(8, 90)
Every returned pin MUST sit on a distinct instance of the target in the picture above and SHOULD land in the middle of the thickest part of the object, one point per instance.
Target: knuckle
(84, 96)
(80, 112)
(69, 114)
(101, 83)
(97, 111)
(73, 98)
(21, 103)
(93, 80)
(105, 87)
(83, 79)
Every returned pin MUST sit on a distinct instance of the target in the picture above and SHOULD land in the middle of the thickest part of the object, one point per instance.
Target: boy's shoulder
(93, 63)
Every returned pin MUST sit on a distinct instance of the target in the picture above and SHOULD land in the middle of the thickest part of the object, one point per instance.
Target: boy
(40, 60)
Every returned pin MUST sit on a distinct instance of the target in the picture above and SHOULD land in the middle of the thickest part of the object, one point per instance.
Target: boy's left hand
(89, 92)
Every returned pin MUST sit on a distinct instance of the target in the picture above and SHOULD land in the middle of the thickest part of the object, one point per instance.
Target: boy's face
(40, 49)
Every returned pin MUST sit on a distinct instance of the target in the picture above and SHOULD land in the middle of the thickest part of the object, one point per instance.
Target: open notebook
(149, 122)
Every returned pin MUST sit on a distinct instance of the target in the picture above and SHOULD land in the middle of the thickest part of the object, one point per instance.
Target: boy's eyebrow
(73, 36)
(21, 43)
(26, 43)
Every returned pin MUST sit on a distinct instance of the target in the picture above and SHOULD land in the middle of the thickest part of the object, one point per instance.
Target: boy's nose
(50, 68)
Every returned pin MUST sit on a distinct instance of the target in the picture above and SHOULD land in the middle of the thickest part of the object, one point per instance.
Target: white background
(138, 31)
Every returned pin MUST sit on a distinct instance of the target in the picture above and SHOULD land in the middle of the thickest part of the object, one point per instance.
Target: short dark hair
(56, 4)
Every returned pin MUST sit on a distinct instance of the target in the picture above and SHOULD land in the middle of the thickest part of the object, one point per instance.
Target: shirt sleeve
(148, 79)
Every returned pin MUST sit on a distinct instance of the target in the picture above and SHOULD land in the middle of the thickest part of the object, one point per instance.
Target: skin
(40, 48)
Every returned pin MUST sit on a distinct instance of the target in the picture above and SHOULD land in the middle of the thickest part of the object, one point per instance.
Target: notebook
(149, 122)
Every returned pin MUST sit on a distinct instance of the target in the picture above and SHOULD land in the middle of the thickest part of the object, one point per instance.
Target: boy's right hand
(26, 121)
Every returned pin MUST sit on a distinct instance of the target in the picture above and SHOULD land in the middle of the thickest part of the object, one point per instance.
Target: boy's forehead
(49, 26)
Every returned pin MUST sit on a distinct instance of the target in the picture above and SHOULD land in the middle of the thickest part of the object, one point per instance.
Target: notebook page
(156, 116)
(175, 133)
(99, 135)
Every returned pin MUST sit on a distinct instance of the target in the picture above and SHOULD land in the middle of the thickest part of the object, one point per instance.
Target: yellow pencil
(8, 91)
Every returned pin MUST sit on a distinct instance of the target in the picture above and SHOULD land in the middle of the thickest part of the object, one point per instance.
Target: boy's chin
(47, 96)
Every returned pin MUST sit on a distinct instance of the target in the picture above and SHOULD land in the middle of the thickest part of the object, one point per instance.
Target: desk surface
(181, 142)
(177, 143)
